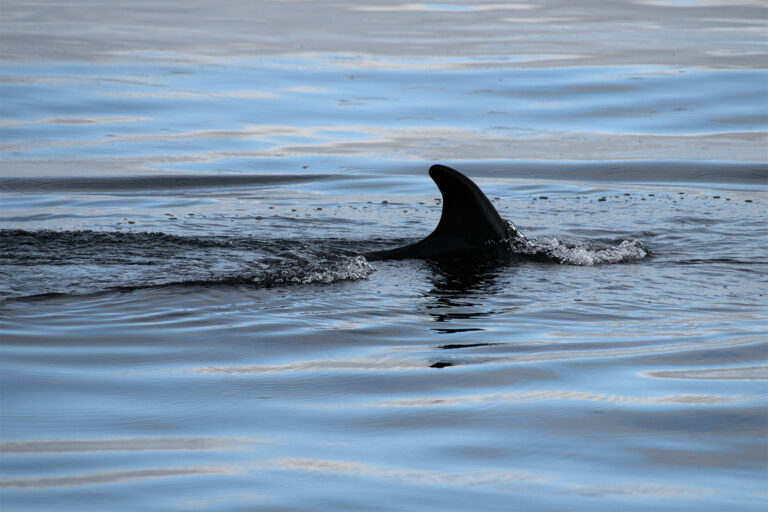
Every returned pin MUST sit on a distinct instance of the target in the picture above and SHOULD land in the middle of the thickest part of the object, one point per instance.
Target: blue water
(187, 322)
(231, 118)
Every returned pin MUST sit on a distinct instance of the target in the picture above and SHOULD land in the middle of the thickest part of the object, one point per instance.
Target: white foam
(626, 251)
(326, 272)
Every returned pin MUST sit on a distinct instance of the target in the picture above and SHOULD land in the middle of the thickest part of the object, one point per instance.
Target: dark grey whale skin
(469, 222)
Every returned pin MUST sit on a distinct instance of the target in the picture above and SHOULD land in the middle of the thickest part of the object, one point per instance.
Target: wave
(152, 182)
(643, 171)
(83, 261)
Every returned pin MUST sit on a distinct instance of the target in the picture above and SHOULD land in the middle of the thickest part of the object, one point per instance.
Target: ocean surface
(188, 322)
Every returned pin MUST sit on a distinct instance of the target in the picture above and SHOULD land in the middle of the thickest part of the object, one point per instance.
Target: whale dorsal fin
(467, 215)
(468, 221)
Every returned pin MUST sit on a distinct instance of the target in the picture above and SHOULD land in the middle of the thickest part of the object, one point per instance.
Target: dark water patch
(701, 172)
(456, 330)
(726, 261)
(453, 346)
(153, 182)
(47, 240)
(50, 262)
(738, 456)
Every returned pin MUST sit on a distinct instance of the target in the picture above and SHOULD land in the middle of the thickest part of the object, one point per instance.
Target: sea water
(188, 322)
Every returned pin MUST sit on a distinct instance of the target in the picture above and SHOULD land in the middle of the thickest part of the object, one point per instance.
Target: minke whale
(469, 224)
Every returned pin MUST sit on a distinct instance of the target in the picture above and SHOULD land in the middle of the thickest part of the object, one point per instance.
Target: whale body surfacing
(469, 223)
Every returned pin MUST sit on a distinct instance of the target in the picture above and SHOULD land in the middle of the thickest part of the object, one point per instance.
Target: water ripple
(536, 396)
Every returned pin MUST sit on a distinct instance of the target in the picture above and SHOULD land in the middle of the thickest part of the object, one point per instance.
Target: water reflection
(48, 446)
(460, 287)
(112, 477)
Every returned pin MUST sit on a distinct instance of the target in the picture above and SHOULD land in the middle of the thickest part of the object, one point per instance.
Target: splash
(318, 271)
(554, 250)
(626, 252)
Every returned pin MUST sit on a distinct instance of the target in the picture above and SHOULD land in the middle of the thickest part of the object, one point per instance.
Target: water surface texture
(188, 322)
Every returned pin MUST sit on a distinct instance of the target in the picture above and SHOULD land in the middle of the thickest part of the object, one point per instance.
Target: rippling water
(188, 323)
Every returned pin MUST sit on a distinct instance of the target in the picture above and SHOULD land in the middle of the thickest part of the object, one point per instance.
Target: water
(187, 322)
